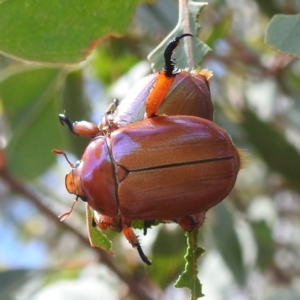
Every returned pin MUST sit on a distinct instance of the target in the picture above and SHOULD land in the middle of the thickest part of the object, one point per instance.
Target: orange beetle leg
(99, 222)
(164, 79)
(133, 240)
(103, 222)
(82, 128)
(107, 124)
(189, 223)
(158, 93)
(116, 224)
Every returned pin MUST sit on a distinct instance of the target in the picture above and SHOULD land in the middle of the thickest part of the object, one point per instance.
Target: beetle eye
(84, 199)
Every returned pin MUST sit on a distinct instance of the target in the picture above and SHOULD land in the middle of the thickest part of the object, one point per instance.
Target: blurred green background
(252, 239)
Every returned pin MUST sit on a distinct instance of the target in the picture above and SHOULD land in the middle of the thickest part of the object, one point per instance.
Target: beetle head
(73, 182)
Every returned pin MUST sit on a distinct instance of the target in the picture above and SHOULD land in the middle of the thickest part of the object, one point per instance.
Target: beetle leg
(112, 107)
(98, 221)
(169, 61)
(133, 240)
(164, 80)
(189, 223)
(115, 224)
(158, 93)
(103, 222)
(147, 224)
(82, 128)
(64, 119)
(106, 124)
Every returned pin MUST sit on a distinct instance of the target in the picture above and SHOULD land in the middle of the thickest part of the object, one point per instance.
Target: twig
(136, 288)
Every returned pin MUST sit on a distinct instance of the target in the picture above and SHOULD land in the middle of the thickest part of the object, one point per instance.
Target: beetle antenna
(57, 151)
(63, 216)
(169, 61)
(64, 119)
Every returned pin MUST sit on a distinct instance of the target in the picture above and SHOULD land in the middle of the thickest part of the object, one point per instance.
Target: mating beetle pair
(172, 167)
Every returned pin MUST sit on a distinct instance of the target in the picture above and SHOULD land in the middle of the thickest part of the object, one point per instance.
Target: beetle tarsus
(116, 103)
(169, 61)
(144, 258)
(112, 107)
(133, 240)
(64, 119)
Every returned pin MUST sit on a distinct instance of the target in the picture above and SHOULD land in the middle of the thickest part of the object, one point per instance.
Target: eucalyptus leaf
(29, 97)
(269, 8)
(97, 238)
(168, 251)
(227, 242)
(283, 34)
(12, 280)
(61, 32)
(265, 244)
(278, 153)
(77, 107)
(193, 49)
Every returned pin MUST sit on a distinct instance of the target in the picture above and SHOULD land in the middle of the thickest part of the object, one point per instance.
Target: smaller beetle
(170, 91)
(163, 168)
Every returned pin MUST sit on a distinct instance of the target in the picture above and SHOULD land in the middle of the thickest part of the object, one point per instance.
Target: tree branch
(141, 291)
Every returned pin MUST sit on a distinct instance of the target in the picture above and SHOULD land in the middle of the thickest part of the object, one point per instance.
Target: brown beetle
(163, 168)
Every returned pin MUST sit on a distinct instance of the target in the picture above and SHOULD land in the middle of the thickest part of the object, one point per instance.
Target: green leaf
(288, 293)
(227, 242)
(113, 58)
(97, 238)
(265, 244)
(168, 251)
(193, 49)
(29, 97)
(189, 278)
(76, 106)
(268, 7)
(12, 280)
(283, 34)
(280, 155)
(60, 31)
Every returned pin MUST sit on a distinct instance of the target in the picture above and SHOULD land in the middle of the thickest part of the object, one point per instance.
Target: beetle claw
(63, 119)
(169, 61)
(133, 240)
(144, 258)
(147, 224)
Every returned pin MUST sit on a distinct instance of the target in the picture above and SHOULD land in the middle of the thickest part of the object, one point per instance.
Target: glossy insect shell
(188, 95)
(160, 168)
